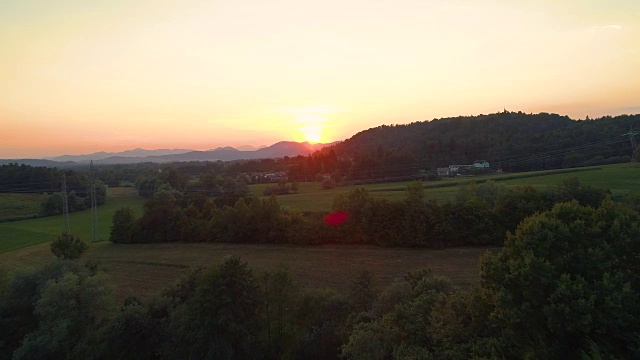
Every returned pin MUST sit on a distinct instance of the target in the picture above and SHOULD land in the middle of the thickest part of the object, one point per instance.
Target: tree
(123, 226)
(294, 187)
(18, 315)
(68, 246)
(69, 310)
(52, 205)
(220, 320)
(362, 291)
(279, 294)
(131, 334)
(567, 281)
(397, 322)
(415, 193)
(328, 184)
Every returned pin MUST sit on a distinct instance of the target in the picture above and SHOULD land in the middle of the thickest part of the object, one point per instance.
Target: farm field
(18, 234)
(20, 205)
(144, 270)
(620, 178)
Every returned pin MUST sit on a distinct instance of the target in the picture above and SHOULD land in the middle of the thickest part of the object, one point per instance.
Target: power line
(634, 145)
(94, 205)
(65, 203)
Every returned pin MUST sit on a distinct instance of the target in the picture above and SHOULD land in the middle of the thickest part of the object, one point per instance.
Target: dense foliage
(514, 141)
(565, 285)
(480, 216)
(19, 179)
(68, 246)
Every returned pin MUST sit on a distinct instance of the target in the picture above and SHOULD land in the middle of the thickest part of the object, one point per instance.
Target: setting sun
(310, 120)
(312, 133)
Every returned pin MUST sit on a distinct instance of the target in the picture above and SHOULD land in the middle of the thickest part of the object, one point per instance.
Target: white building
(443, 171)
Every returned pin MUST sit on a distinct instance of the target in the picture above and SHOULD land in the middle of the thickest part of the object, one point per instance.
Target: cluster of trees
(16, 178)
(282, 189)
(53, 205)
(28, 179)
(499, 138)
(565, 285)
(479, 216)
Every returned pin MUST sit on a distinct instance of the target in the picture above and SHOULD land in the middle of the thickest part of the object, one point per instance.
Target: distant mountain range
(127, 153)
(246, 152)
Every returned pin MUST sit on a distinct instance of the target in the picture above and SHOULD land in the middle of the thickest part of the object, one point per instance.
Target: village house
(443, 171)
(278, 176)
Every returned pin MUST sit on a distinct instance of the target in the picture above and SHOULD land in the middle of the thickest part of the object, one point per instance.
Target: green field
(19, 234)
(14, 206)
(620, 178)
(144, 270)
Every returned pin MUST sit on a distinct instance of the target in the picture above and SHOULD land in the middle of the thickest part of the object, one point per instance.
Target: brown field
(144, 270)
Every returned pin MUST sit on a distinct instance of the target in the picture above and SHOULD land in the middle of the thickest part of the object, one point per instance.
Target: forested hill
(511, 140)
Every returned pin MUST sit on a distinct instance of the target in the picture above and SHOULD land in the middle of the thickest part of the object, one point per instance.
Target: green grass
(144, 270)
(19, 234)
(620, 178)
(14, 206)
(312, 197)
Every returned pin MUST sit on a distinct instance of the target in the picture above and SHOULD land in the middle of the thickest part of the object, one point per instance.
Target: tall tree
(568, 282)
(123, 228)
(220, 321)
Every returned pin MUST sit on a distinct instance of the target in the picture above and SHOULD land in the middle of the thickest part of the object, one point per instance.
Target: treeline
(565, 285)
(480, 215)
(16, 178)
(514, 141)
(511, 141)
(23, 179)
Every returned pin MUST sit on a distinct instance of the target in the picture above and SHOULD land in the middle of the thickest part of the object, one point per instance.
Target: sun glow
(312, 133)
(310, 122)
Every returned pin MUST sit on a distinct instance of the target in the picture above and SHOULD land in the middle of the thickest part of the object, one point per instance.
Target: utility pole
(634, 145)
(65, 203)
(94, 205)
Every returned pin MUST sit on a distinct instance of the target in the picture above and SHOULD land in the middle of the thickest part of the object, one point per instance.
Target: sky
(82, 76)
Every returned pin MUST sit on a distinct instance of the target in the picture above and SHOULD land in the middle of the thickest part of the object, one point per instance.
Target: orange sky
(85, 76)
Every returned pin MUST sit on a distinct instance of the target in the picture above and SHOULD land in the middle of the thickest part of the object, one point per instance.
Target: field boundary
(150, 263)
(501, 178)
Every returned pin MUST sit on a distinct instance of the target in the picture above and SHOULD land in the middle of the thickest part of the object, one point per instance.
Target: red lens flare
(336, 218)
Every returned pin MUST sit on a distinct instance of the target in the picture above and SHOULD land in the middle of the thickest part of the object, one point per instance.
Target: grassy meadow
(20, 205)
(18, 234)
(620, 178)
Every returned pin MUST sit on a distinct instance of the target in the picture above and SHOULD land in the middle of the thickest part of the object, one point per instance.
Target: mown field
(144, 270)
(620, 178)
(20, 205)
(18, 234)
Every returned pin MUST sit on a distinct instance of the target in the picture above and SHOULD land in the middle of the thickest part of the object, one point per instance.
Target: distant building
(454, 169)
(443, 171)
(275, 177)
(481, 164)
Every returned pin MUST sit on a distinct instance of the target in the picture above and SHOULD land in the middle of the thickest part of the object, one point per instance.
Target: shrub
(68, 246)
(328, 184)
